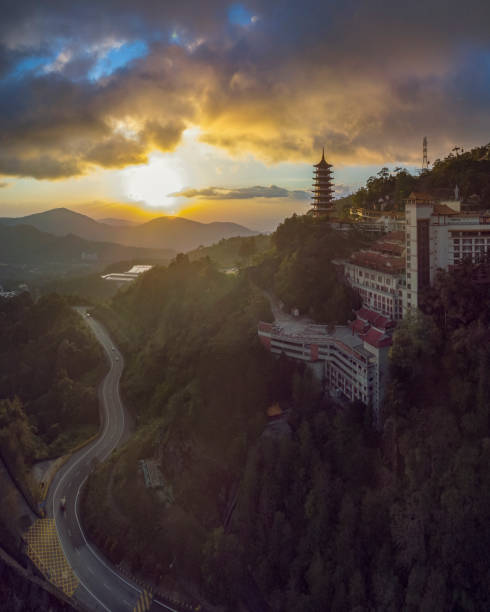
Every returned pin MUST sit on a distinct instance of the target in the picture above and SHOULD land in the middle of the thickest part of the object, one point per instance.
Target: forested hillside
(338, 517)
(235, 252)
(49, 367)
(469, 170)
(299, 268)
(198, 384)
(325, 513)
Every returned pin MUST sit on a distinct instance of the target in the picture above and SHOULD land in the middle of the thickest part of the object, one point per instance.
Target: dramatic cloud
(102, 84)
(242, 193)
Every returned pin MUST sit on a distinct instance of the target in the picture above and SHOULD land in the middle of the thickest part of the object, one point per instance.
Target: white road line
(106, 426)
(90, 570)
(160, 603)
(69, 532)
(138, 590)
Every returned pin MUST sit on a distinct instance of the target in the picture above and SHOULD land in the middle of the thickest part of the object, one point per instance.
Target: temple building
(323, 190)
(378, 274)
(351, 361)
(391, 275)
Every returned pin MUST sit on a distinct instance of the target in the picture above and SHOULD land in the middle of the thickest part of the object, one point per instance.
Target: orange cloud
(366, 80)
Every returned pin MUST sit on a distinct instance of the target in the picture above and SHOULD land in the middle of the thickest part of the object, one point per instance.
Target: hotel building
(391, 275)
(378, 274)
(350, 360)
(439, 236)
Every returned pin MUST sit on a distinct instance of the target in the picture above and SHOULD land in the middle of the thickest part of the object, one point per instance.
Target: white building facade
(351, 361)
(378, 274)
(439, 236)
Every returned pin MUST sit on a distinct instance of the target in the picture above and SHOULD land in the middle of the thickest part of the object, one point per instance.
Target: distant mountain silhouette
(117, 222)
(164, 232)
(27, 245)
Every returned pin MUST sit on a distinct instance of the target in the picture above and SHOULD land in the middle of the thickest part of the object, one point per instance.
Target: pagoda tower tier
(323, 189)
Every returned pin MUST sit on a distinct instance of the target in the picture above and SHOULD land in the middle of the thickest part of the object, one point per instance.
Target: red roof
(358, 326)
(388, 247)
(323, 163)
(444, 209)
(376, 320)
(394, 237)
(378, 261)
(420, 196)
(367, 315)
(376, 338)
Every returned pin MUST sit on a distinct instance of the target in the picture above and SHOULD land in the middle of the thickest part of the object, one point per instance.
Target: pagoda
(322, 188)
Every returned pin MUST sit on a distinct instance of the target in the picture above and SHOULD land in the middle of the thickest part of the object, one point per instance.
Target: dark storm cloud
(277, 79)
(241, 193)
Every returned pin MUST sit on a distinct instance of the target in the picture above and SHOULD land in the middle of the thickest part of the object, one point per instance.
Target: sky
(217, 110)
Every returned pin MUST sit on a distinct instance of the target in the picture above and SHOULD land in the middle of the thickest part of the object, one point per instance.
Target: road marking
(69, 532)
(100, 442)
(90, 570)
(144, 602)
(160, 603)
(44, 548)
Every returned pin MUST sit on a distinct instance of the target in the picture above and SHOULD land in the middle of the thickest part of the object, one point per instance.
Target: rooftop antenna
(425, 163)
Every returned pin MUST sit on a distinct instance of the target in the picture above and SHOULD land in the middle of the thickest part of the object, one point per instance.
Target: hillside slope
(173, 233)
(25, 244)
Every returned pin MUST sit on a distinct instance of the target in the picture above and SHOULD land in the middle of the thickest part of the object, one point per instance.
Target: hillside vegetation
(325, 514)
(233, 253)
(300, 269)
(198, 383)
(469, 170)
(49, 367)
(338, 517)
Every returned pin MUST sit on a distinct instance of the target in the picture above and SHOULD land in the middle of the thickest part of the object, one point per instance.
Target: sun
(153, 183)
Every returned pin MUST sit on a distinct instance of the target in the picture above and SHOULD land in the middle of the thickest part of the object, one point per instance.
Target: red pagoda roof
(323, 162)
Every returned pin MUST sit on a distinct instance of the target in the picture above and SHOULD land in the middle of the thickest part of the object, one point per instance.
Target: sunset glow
(153, 183)
(133, 104)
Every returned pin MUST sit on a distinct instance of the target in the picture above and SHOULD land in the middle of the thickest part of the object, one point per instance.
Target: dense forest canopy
(328, 514)
(335, 516)
(300, 268)
(198, 383)
(49, 366)
(468, 170)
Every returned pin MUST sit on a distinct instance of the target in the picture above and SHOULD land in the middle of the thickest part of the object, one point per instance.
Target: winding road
(101, 586)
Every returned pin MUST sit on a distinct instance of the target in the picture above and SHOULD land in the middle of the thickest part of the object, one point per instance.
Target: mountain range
(24, 244)
(173, 233)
